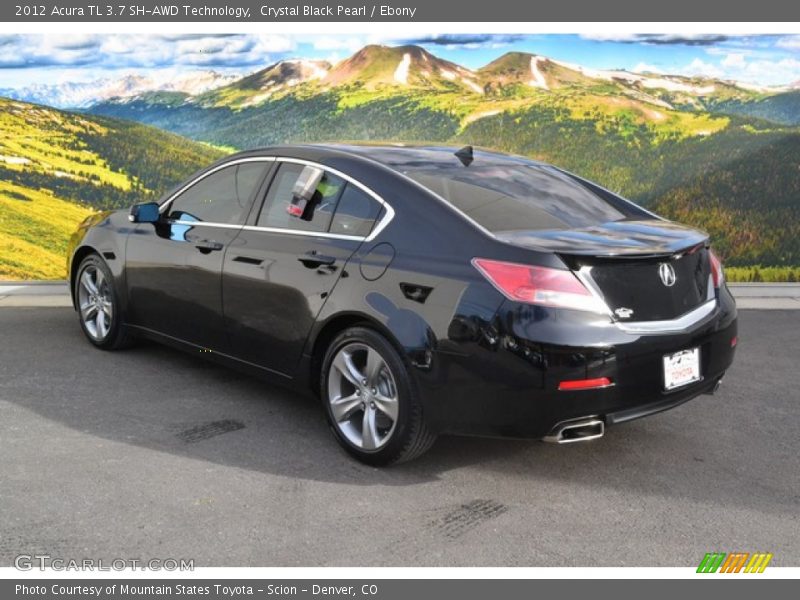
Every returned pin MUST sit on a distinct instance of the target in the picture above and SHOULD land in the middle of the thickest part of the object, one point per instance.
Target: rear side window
(279, 196)
(514, 196)
(356, 213)
(222, 197)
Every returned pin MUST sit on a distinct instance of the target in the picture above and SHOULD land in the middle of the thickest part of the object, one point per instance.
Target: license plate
(681, 368)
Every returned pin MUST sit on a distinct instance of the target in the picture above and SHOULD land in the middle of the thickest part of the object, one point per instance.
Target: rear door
(174, 267)
(280, 269)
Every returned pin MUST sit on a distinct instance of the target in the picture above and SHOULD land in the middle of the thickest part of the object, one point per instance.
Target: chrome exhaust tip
(716, 387)
(580, 430)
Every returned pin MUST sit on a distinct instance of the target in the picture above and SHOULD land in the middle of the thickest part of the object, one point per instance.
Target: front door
(174, 267)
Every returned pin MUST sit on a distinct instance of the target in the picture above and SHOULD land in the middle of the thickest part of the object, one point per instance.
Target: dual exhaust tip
(579, 430)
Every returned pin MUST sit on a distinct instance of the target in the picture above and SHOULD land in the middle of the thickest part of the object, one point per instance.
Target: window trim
(376, 230)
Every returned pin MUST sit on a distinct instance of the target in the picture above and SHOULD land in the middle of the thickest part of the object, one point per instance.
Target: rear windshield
(516, 196)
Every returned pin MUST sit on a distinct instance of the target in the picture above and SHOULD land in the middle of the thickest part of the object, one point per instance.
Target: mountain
(254, 89)
(82, 95)
(374, 67)
(531, 71)
(682, 145)
(57, 167)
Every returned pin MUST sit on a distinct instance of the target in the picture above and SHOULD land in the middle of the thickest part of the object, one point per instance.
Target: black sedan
(418, 291)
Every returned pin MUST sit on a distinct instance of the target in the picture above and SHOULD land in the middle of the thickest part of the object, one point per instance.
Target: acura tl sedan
(417, 291)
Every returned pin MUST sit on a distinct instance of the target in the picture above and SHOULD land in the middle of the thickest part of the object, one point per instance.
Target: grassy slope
(57, 167)
(35, 227)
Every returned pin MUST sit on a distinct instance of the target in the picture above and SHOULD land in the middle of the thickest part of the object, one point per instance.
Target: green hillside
(686, 147)
(57, 167)
(783, 109)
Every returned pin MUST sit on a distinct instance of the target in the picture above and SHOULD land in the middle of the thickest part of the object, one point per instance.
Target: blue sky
(33, 59)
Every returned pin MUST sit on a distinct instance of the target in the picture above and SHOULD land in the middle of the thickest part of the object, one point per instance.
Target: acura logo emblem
(667, 274)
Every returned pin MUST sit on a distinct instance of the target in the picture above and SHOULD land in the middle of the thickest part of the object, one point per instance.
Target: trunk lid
(645, 270)
(617, 238)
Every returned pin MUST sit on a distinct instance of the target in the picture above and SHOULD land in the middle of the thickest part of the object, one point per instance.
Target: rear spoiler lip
(672, 254)
(619, 240)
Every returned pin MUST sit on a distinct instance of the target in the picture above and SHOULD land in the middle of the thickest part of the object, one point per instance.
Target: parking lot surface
(151, 453)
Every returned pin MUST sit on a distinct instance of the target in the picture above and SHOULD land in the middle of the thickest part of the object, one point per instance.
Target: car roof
(391, 155)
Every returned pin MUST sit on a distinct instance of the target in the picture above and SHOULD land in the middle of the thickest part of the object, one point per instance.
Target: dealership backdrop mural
(703, 129)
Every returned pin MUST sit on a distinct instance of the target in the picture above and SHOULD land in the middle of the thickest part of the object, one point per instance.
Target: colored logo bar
(734, 562)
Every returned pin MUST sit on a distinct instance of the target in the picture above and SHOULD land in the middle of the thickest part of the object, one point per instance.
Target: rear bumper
(508, 386)
(707, 386)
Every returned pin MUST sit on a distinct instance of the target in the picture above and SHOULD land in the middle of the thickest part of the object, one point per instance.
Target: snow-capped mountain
(85, 94)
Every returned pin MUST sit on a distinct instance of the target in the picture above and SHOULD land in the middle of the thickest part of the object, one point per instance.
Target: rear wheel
(371, 403)
(99, 309)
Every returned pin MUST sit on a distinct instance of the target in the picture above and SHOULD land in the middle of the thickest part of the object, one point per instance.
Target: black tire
(112, 335)
(409, 437)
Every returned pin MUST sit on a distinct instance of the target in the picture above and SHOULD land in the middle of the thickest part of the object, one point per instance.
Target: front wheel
(99, 309)
(371, 403)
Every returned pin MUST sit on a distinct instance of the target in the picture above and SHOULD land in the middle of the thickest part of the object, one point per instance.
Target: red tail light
(584, 384)
(538, 285)
(717, 274)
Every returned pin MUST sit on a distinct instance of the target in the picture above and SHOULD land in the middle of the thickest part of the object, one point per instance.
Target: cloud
(701, 68)
(351, 44)
(734, 66)
(790, 42)
(646, 68)
(733, 60)
(141, 51)
(660, 39)
(466, 40)
(74, 42)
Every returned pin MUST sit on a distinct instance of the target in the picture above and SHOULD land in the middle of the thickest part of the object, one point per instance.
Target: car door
(280, 269)
(174, 267)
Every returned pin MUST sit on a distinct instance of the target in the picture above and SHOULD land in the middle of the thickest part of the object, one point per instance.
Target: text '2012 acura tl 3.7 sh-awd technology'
(417, 291)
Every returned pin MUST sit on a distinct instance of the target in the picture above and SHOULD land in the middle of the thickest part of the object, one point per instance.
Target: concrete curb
(757, 296)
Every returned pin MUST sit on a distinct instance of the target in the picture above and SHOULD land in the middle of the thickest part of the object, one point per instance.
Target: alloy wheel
(363, 396)
(95, 302)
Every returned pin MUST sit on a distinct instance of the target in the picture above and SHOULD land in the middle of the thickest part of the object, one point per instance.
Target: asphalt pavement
(152, 453)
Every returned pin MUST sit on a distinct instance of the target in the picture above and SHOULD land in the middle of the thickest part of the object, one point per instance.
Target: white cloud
(690, 39)
(351, 44)
(135, 51)
(610, 37)
(733, 61)
(646, 68)
(790, 42)
(702, 68)
(737, 67)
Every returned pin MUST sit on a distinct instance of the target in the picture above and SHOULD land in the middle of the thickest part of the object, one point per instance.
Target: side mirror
(301, 205)
(146, 212)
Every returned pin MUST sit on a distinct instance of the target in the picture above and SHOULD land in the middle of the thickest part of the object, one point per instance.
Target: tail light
(539, 285)
(584, 384)
(717, 274)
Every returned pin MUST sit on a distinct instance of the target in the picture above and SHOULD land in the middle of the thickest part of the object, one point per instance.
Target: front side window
(274, 212)
(222, 197)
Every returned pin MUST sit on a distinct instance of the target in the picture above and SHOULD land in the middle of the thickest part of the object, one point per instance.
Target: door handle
(312, 260)
(248, 260)
(206, 246)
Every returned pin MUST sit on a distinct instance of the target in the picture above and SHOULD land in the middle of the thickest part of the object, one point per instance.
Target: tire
(361, 374)
(99, 312)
